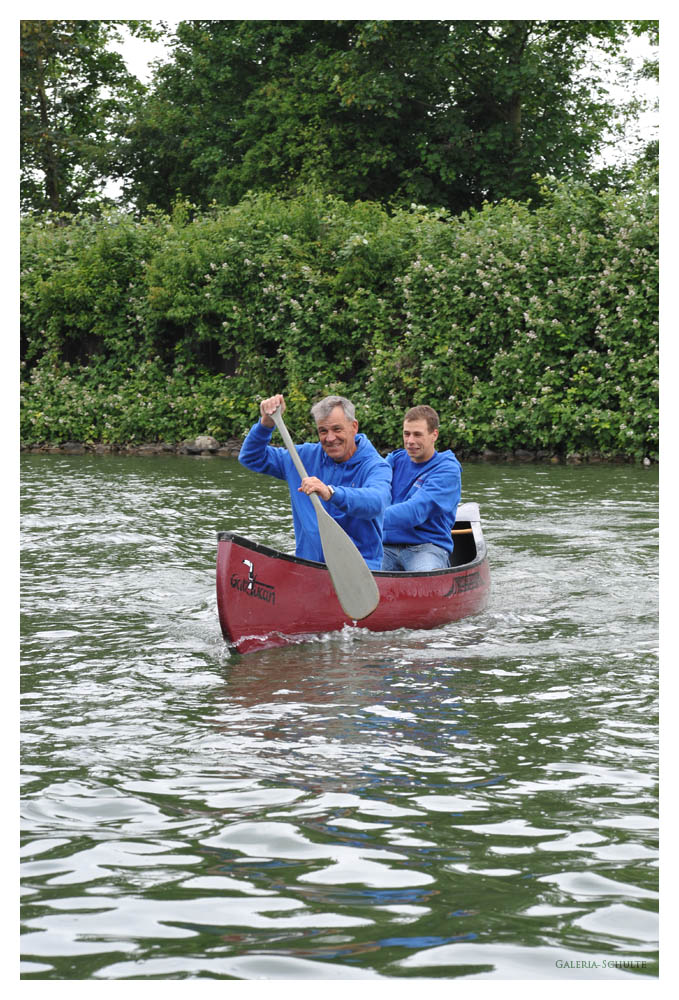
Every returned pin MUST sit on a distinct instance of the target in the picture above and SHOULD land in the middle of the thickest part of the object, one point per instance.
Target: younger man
(425, 495)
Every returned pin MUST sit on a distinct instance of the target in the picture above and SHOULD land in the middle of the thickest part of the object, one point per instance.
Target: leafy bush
(533, 329)
(524, 328)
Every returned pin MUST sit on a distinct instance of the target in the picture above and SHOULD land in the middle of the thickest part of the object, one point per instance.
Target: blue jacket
(362, 491)
(424, 499)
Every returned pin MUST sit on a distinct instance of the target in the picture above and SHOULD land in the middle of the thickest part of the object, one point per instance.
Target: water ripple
(477, 801)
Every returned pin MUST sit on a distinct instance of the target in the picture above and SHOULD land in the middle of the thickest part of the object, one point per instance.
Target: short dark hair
(424, 413)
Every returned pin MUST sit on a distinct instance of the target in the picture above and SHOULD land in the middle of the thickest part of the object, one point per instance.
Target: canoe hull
(267, 598)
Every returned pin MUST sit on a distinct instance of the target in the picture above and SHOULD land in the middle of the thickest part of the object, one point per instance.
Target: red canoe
(267, 598)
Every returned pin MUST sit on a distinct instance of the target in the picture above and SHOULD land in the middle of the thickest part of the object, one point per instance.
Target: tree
(447, 113)
(74, 89)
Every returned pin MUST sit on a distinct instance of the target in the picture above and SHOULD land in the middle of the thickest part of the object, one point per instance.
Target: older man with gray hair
(352, 480)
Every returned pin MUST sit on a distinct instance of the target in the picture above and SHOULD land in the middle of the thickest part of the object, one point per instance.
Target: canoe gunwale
(266, 550)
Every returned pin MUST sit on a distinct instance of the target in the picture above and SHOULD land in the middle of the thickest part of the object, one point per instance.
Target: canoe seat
(464, 546)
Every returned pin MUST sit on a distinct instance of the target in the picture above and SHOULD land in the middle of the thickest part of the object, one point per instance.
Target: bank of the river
(202, 445)
(207, 445)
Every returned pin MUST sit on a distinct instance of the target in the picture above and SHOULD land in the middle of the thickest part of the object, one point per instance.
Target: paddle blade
(354, 584)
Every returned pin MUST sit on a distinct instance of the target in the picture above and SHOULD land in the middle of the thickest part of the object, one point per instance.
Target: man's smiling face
(337, 435)
(418, 440)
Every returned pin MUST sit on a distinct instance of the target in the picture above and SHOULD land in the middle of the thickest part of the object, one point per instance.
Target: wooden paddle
(354, 584)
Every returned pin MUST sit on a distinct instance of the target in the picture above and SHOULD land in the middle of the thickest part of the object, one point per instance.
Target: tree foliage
(336, 206)
(74, 90)
(444, 113)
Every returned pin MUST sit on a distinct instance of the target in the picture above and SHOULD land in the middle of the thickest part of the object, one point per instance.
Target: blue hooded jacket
(362, 491)
(425, 497)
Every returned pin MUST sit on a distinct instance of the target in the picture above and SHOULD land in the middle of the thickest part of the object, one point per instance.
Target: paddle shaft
(294, 454)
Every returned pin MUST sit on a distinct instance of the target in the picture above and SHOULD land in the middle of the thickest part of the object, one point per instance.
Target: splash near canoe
(267, 598)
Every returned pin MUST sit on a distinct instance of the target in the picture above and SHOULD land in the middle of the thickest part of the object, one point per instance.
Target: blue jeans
(414, 558)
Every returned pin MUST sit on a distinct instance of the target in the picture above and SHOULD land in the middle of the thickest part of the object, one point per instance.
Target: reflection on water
(477, 801)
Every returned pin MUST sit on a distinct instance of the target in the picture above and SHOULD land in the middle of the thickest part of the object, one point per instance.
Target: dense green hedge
(525, 328)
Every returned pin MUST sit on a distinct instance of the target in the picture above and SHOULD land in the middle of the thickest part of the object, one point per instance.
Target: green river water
(474, 802)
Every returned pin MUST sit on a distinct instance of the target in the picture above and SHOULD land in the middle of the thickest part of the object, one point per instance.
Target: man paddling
(425, 495)
(345, 470)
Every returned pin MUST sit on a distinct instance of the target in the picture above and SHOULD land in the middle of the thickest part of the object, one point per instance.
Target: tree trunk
(48, 154)
(518, 39)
